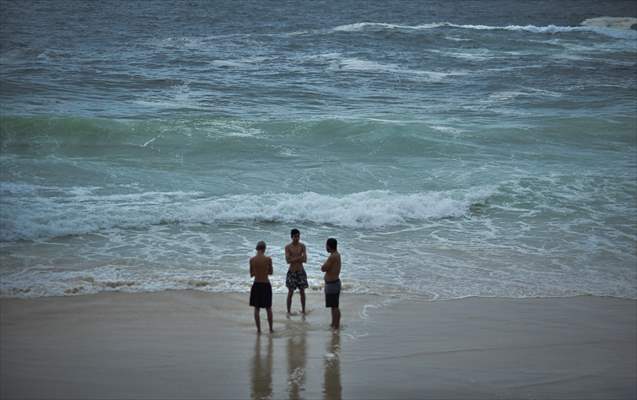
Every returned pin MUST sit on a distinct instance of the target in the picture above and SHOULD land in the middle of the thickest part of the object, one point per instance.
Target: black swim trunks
(296, 280)
(332, 293)
(261, 295)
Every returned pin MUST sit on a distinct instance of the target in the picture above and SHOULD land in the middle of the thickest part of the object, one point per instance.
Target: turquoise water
(462, 149)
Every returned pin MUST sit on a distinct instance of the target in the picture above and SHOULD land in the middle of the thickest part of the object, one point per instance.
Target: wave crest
(614, 27)
(28, 216)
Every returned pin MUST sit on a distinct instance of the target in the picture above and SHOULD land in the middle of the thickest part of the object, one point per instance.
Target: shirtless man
(332, 269)
(296, 255)
(261, 292)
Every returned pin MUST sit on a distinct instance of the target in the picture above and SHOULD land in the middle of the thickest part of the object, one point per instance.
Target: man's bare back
(260, 268)
(261, 291)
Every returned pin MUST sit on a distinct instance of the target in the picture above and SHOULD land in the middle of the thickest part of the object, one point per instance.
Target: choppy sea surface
(454, 149)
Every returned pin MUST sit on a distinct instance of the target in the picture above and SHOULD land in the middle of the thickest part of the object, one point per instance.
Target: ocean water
(453, 148)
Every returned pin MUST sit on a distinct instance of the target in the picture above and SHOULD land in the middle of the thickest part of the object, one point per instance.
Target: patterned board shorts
(296, 280)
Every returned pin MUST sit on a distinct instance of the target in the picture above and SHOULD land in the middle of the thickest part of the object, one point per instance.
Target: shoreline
(195, 344)
(314, 291)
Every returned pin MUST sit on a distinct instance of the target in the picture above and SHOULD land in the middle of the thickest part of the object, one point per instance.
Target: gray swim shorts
(332, 293)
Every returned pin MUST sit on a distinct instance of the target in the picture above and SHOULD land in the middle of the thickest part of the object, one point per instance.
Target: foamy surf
(28, 217)
(614, 27)
(355, 64)
(611, 22)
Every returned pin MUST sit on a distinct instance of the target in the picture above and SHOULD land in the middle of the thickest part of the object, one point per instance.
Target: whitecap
(523, 92)
(357, 64)
(77, 212)
(447, 129)
(603, 26)
(244, 62)
(611, 22)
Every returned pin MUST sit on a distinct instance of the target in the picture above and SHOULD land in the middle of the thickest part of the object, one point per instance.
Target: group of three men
(295, 256)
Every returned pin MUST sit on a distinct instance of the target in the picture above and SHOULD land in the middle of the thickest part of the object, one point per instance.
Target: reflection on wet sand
(297, 354)
(332, 375)
(262, 371)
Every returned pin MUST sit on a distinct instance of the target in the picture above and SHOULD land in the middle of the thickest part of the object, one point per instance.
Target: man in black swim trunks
(332, 269)
(296, 255)
(261, 292)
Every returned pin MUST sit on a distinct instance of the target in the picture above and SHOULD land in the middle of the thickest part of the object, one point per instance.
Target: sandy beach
(189, 344)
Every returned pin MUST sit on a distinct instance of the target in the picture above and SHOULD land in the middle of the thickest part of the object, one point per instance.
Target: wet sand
(189, 344)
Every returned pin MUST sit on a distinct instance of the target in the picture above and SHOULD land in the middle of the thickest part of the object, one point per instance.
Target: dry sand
(188, 344)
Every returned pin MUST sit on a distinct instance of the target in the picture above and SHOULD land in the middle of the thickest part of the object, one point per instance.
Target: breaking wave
(614, 27)
(28, 215)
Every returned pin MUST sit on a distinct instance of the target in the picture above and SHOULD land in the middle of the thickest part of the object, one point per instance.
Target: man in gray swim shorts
(332, 269)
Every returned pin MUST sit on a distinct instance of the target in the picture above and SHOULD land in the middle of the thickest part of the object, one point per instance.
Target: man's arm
(288, 256)
(328, 264)
(251, 269)
(270, 266)
(303, 255)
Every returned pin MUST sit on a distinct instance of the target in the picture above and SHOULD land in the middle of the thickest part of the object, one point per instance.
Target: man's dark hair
(332, 243)
(261, 245)
(294, 232)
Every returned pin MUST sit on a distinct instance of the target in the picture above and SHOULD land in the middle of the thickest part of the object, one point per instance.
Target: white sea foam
(616, 28)
(27, 217)
(446, 258)
(611, 22)
(189, 42)
(523, 92)
(177, 97)
(356, 64)
(227, 128)
(240, 63)
(360, 26)
(54, 280)
(338, 62)
(471, 55)
(229, 63)
(447, 129)
(457, 39)
(436, 278)
(149, 141)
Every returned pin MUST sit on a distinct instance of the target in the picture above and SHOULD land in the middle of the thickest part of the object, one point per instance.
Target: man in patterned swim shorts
(296, 255)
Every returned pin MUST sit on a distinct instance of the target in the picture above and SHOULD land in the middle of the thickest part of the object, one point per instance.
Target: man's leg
(289, 301)
(269, 311)
(302, 292)
(257, 320)
(336, 317)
